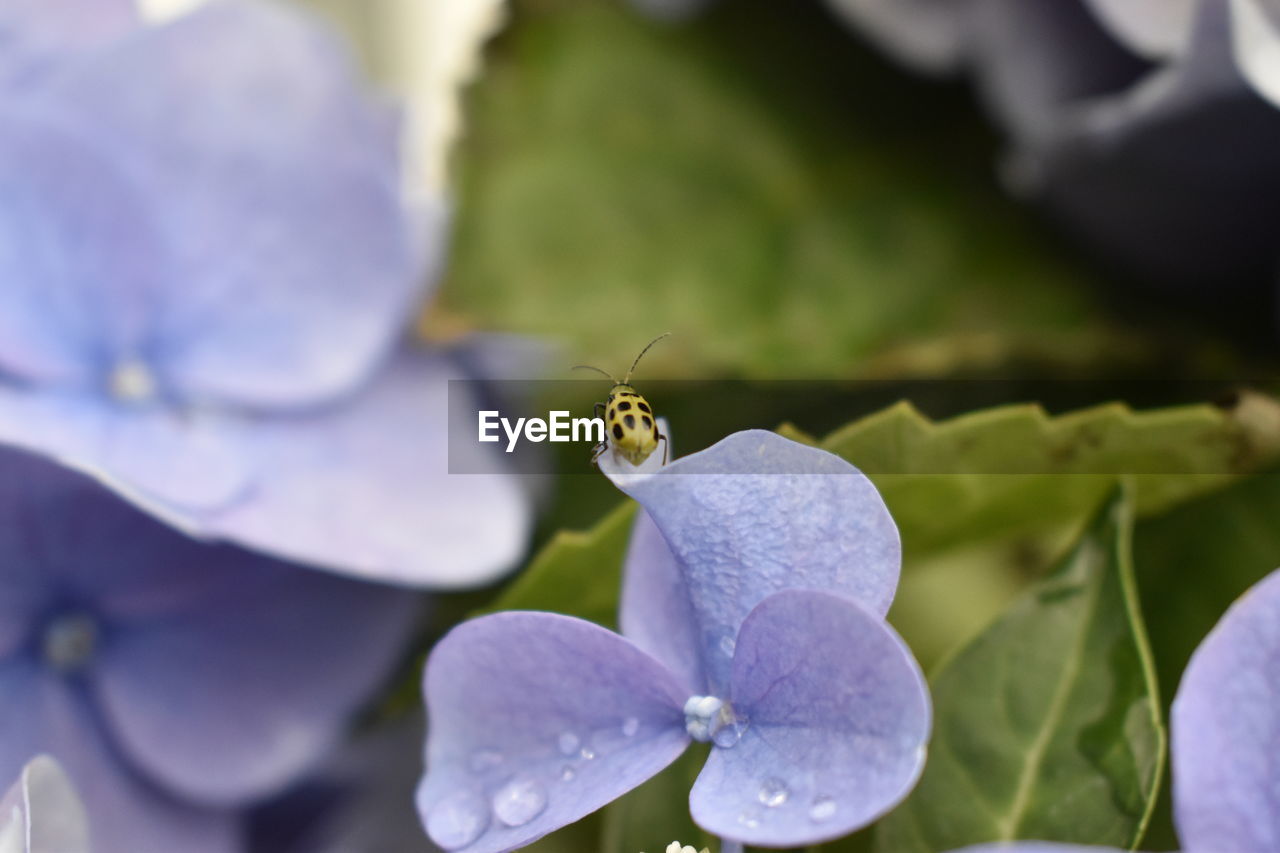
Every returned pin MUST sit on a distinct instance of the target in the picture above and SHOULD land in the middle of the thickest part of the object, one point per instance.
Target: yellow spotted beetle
(628, 418)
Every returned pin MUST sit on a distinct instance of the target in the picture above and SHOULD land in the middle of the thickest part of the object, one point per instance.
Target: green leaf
(750, 182)
(1047, 726)
(986, 500)
(1195, 561)
(1014, 469)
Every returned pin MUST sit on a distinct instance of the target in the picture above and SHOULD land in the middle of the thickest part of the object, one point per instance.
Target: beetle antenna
(597, 370)
(641, 355)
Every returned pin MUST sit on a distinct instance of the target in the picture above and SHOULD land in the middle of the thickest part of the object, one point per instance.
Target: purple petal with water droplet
(529, 727)
(824, 686)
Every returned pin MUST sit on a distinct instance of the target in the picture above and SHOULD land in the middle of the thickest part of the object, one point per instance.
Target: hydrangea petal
(44, 812)
(126, 814)
(1034, 59)
(187, 461)
(656, 611)
(16, 622)
(622, 473)
(1225, 733)
(838, 718)
(757, 513)
(220, 672)
(70, 220)
(55, 516)
(1155, 29)
(23, 585)
(536, 720)
(37, 34)
(1116, 170)
(196, 690)
(362, 487)
(1255, 30)
(277, 192)
(928, 35)
(365, 487)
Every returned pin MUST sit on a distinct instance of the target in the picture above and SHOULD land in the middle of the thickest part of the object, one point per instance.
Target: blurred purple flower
(42, 813)
(208, 268)
(175, 681)
(1149, 127)
(1225, 736)
(752, 611)
(360, 801)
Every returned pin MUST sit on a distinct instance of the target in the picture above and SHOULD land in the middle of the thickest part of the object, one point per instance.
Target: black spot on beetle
(644, 419)
(617, 431)
(624, 406)
(644, 407)
(630, 421)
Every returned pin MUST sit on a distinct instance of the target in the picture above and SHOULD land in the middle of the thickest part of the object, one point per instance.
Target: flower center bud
(70, 640)
(707, 718)
(131, 381)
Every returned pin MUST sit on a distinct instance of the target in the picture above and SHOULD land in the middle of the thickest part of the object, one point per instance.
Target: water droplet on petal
(568, 743)
(630, 726)
(587, 753)
(520, 801)
(457, 820)
(748, 820)
(729, 734)
(823, 808)
(773, 793)
(483, 760)
(567, 773)
(727, 646)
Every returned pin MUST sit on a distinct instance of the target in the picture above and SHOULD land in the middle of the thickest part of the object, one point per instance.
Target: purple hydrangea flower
(1225, 736)
(42, 813)
(175, 681)
(207, 268)
(752, 617)
(1148, 127)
